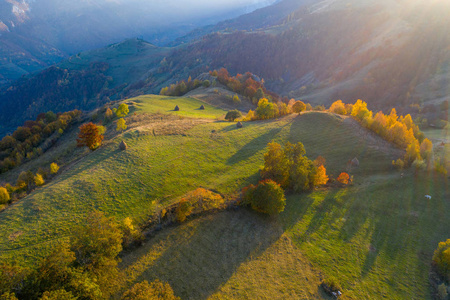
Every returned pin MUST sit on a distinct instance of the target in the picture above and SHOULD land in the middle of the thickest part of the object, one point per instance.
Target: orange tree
(89, 136)
(343, 178)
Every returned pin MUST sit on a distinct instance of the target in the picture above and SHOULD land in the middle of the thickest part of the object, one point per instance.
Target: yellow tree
(338, 107)
(54, 168)
(122, 111)
(4, 195)
(379, 124)
(121, 125)
(412, 152)
(392, 118)
(298, 107)
(320, 177)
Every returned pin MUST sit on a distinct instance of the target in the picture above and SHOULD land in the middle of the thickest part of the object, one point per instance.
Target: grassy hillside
(376, 237)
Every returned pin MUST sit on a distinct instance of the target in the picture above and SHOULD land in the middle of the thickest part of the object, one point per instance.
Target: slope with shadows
(381, 223)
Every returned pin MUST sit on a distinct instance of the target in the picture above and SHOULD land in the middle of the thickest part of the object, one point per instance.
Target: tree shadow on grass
(253, 147)
(205, 253)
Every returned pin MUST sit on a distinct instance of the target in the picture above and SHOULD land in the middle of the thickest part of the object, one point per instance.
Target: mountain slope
(377, 236)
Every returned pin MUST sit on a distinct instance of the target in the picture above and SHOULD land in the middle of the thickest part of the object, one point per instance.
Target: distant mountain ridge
(35, 34)
(386, 52)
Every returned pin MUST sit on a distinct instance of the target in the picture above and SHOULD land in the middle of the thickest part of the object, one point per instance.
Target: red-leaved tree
(89, 136)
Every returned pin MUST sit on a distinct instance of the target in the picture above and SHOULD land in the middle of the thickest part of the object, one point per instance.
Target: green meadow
(376, 237)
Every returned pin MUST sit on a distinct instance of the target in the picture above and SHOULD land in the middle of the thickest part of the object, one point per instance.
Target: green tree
(25, 180)
(266, 197)
(122, 111)
(233, 115)
(298, 107)
(4, 195)
(53, 273)
(289, 167)
(11, 278)
(156, 290)
(97, 240)
(121, 125)
(259, 94)
(276, 165)
(96, 245)
(266, 110)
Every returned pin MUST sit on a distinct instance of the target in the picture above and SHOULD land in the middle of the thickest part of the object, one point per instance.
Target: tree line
(85, 267)
(33, 138)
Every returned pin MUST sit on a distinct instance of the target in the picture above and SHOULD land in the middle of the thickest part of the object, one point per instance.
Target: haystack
(176, 108)
(355, 162)
(239, 125)
(123, 146)
(202, 107)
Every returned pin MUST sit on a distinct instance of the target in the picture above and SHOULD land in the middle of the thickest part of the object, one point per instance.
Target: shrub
(183, 210)
(233, 115)
(419, 165)
(439, 167)
(441, 259)
(156, 290)
(4, 195)
(343, 178)
(54, 168)
(130, 233)
(266, 197)
(206, 83)
(331, 285)
(398, 164)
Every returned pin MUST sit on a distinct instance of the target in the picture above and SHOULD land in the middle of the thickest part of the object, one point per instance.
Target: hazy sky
(185, 8)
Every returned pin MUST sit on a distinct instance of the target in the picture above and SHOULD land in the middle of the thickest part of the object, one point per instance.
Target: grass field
(377, 236)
